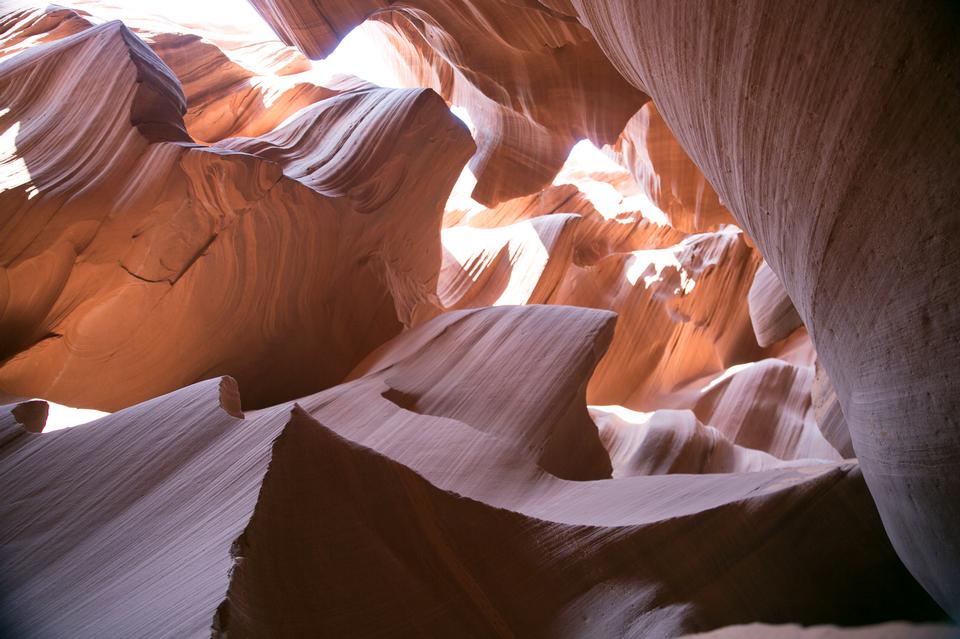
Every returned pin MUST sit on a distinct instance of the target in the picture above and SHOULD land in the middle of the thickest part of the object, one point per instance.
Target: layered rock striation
(406, 499)
(118, 228)
(818, 127)
(700, 380)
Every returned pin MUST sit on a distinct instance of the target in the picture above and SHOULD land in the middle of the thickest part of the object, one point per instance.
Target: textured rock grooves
(819, 126)
(533, 81)
(360, 393)
(304, 532)
(819, 164)
(152, 235)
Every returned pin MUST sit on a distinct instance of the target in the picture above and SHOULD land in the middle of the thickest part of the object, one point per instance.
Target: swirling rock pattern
(234, 83)
(683, 344)
(447, 514)
(820, 126)
(231, 87)
(667, 174)
(117, 228)
(583, 408)
(788, 160)
(533, 81)
(682, 315)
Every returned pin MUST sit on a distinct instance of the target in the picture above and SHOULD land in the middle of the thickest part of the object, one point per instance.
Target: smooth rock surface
(559, 393)
(122, 235)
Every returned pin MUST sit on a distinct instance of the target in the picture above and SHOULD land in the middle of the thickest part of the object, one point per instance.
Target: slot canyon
(480, 318)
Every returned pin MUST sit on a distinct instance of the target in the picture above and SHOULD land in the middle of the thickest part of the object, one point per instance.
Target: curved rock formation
(667, 174)
(514, 378)
(118, 229)
(593, 409)
(788, 160)
(828, 413)
(683, 341)
(820, 126)
(518, 264)
(129, 533)
(29, 27)
(771, 311)
(224, 98)
(297, 531)
(231, 87)
(766, 405)
(617, 216)
(354, 144)
(671, 441)
(682, 315)
(533, 81)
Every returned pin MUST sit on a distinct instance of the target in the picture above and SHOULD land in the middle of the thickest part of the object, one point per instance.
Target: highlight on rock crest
(479, 318)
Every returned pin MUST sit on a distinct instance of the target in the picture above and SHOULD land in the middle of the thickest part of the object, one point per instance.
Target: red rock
(534, 82)
(421, 498)
(151, 235)
(820, 126)
(667, 174)
(580, 403)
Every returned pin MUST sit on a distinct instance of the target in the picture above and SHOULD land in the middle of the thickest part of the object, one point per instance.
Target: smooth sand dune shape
(619, 391)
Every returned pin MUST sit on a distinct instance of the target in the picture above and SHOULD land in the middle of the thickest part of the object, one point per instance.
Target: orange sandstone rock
(135, 261)
(820, 125)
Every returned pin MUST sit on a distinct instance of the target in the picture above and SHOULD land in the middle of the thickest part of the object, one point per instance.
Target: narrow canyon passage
(479, 318)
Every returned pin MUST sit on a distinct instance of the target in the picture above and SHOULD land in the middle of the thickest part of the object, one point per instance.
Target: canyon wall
(676, 382)
(831, 133)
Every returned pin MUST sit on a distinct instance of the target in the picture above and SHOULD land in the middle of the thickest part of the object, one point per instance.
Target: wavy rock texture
(772, 312)
(225, 98)
(517, 264)
(667, 174)
(684, 339)
(118, 229)
(129, 533)
(774, 320)
(682, 314)
(533, 81)
(233, 85)
(671, 441)
(30, 26)
(820, 126)
(682, 298)
(672, 347)
(617, 215)
(581, 409)
(448, 514)
(793, 172)
(766, 405)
